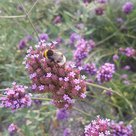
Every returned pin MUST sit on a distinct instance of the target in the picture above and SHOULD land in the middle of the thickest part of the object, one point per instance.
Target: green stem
(131, 122)
(105, 88)
(33, 6)
(10, 17)
(27, 15)
(107, 38)
(86, 114)
(43, 99)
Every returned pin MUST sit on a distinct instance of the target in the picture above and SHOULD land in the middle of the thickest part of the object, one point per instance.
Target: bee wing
(63, 61)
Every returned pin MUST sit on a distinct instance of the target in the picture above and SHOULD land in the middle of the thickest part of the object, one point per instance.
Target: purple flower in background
(90, 68)
(129, 51)
(37, 102)
(98, 127)
(119, 20)
(22, 44)
(57, 19)
(16, 97)
(105, 72)
(28, 38)
(124, 76)
(120, 129)
(74, 37)
(107, 127)
(102, 1)
(127, 7)
(12, 128)
(59, 40)
(109, 93)
(43, 37)
(99, 11)
(66, 132)
(115, 57)
(62, 114)
(87, 1)
(127, 67)
(126, 82)
(83, 47)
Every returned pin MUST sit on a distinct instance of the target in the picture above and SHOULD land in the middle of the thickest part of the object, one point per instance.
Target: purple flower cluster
(43, 37)
(74, 37)
(16, 97)
(106, 127)
(62, 114)
(120, 129)
(127, 7)
(90, 68)
(98, 127)
(12, 129)
(64, 83)
(99, 11)
(23, 42)
(83, 47)
(115, 57)
(66, 132)
(129, 51)
(105, 72)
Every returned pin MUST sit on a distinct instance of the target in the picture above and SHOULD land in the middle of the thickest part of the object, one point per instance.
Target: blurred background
(67, 21)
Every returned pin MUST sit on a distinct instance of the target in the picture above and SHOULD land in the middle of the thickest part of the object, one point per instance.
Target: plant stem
(86, 114)
(107, 38)
(105, 88)
(32, 6)
(10, 17)
(27, 15)
(44, 99)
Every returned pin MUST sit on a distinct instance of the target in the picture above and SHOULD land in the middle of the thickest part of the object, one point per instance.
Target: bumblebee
(55, 56)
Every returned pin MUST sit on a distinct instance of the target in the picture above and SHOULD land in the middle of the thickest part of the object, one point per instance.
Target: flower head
(90, 68)
(120, 129)
(129, 52)
(48, 76)
(12, 128)
(74, 37)
(99, 11)
(62, 114)
(83, 48)
(107, 127)
(98, 127)
(105, 72)
(16, 97)
(115, 57)
(43, 37)
(127, 7)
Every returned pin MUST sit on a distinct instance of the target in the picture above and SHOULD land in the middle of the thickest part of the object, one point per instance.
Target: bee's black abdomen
(49, 53)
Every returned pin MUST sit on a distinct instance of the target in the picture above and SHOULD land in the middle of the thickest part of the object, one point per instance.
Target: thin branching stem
(81, 111)
(43, 99)
(10, 17)
(113, 91)
(33, 6)
(27, 15)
